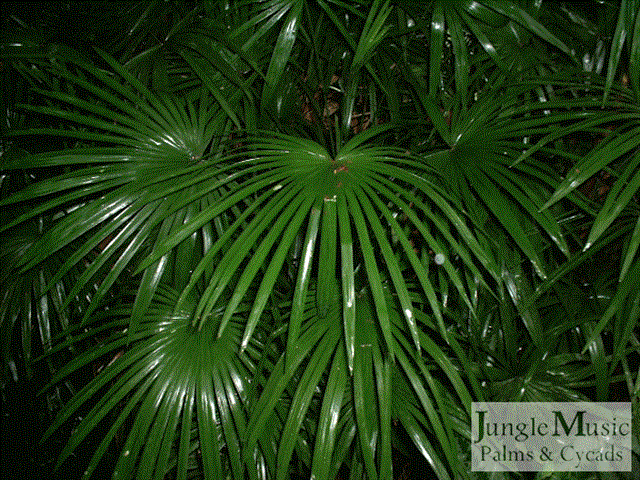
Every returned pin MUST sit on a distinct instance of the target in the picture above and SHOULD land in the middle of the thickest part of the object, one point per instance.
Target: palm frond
(292, 238)
(170, 379)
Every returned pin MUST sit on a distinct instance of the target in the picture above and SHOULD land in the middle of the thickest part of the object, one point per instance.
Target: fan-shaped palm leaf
(483, 143)
(170, 380)
(256, 302)
(163, 149)
(298, 182)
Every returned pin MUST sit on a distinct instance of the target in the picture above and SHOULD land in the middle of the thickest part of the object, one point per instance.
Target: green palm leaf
(171, 375)
(142, 183)
(298, 238)
(294, 175)
(483, 152)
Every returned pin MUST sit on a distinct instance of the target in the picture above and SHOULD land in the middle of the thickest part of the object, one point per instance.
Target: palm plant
(298, 238)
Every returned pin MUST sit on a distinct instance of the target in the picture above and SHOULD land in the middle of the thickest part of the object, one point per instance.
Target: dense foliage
(297, 238)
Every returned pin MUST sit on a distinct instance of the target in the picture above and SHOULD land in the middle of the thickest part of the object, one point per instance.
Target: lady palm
(263, 288)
